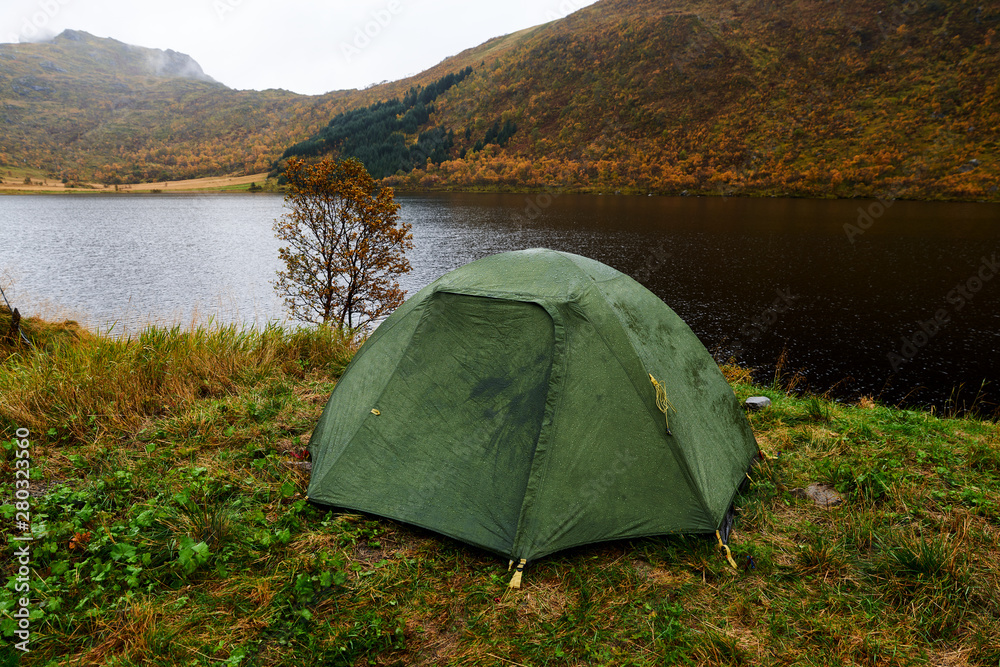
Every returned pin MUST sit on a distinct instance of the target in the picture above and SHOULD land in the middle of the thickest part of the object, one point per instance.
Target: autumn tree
(345, 244)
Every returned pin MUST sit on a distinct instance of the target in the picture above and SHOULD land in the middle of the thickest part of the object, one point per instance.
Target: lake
(898, 300)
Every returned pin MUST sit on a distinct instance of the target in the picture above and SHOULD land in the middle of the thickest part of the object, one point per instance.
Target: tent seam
(604, 300)
(641, 392)
(557, 372)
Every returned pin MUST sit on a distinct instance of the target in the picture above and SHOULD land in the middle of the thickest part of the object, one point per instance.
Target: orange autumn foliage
(345, 245)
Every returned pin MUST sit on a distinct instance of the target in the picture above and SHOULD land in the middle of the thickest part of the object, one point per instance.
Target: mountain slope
(799, 97)
(85, 107)
(806, 97)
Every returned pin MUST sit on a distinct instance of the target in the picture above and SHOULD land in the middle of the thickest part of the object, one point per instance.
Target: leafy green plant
(191, 554)
(869, 483)
(874, 484)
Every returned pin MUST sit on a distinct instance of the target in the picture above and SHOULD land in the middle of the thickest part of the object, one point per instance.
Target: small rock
(821, 494)
(52, 67)
(755, 403)
(969, 166)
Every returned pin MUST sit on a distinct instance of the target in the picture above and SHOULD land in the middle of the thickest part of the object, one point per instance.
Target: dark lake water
(902, 304)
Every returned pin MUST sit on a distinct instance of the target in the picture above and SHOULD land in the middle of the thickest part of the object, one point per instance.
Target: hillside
(89, 108)
(806, 98)
(809, 98)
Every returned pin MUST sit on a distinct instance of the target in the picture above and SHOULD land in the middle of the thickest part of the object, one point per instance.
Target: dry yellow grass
(210, 183)
(196, 183)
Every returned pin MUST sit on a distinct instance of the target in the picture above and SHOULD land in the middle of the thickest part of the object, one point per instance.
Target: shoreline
(765, 378)
(241, 184)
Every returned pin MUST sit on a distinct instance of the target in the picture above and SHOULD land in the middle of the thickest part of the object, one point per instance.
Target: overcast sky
(308, 46)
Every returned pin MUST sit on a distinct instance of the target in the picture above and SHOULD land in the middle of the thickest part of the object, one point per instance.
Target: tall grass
(76, 384)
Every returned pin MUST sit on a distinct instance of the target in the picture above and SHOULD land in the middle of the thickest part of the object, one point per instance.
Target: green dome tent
(529, 402)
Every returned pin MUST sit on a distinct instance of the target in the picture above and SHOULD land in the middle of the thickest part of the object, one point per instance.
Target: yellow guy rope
(725, 547)
(662, 402)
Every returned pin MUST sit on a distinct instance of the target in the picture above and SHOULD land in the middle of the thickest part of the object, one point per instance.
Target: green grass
(167, 471)
(269, 185)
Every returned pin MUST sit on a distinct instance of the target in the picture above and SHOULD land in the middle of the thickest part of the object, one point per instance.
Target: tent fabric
(509, 405)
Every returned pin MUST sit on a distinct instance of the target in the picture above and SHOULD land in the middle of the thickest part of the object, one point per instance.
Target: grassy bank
(168, 470)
